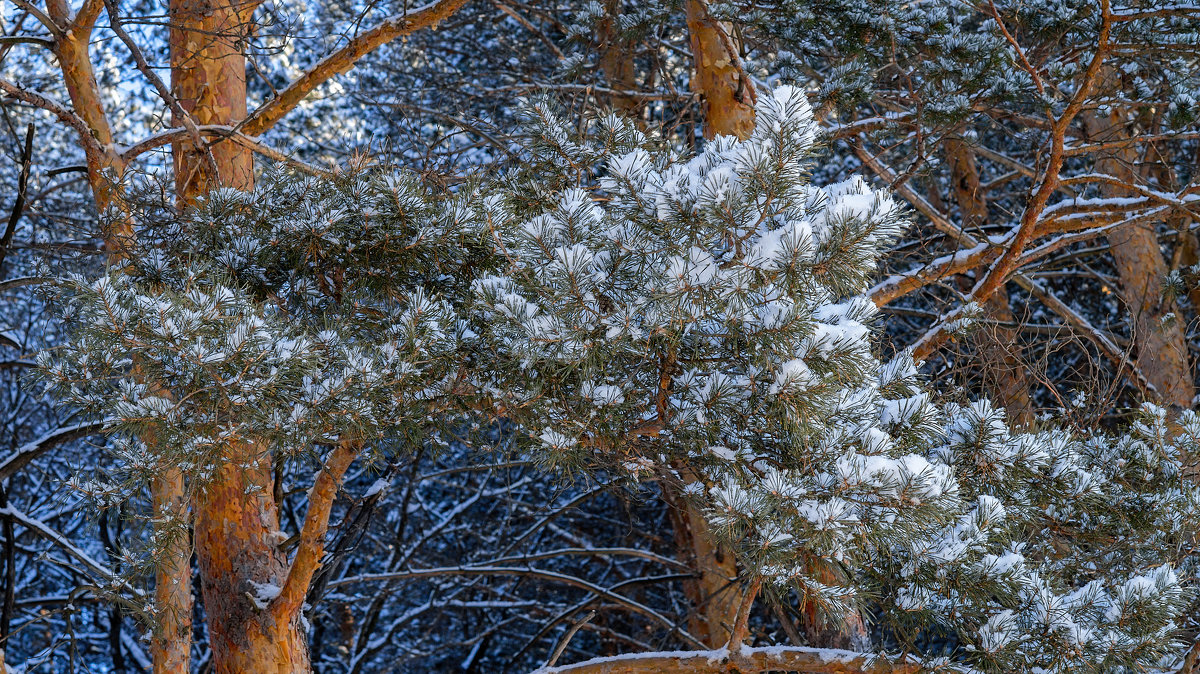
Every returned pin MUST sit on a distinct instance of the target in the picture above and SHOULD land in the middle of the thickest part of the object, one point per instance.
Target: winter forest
(599, 336)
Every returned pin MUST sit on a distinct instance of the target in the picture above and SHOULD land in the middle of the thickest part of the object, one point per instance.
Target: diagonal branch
(221, 132)
(1003, 268)
(1037, 80)
(312, 533)
(20, 457)
(58, 110)
(19, 203)
(428, 16)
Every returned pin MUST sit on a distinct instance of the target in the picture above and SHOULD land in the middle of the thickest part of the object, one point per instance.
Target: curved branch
(224, 132)
(89, 142)
(1004, 267)
(312, 534)
(21, 457)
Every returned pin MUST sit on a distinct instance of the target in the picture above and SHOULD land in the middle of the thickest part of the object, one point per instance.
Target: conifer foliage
(633, 311)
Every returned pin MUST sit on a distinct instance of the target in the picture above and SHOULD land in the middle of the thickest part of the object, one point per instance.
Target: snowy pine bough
(695, 320)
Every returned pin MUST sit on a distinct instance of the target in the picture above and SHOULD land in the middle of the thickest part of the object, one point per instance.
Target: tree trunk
(237, 538)
(236, 516)
(171, 643)
(79, 76)
(713, 591)
(719, 78)
(850, 633)
(1004, 374)
(1161, 349)
(208, 78)
(728, 111)
(616, 59)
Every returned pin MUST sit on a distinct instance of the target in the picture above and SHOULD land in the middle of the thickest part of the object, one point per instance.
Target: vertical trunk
(236, 516)
(1004, 374)
(728, 111)
(713, 590)
(208, 77)
(237, 538)
(171, 645)
(1162, 353)
(616, 59)
(850, 633)
(728, 93)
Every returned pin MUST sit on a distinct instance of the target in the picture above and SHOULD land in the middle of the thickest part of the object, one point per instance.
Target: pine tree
(631, 311)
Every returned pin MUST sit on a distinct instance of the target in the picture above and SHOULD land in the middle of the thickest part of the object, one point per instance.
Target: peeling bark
(104, 164)
(208, 78)
(719, 78)
(237, 544)
(170, 645)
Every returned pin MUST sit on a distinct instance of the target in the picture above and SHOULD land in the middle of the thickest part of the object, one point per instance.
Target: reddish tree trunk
(713, 590)
(728, 93)
(236, 517)
(1162, 353)
(208, 78)
(616, 59)
(237, 538)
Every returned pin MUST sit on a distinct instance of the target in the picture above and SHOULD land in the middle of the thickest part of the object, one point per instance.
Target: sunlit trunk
(236, 516)
(728, 94)
(237, 543)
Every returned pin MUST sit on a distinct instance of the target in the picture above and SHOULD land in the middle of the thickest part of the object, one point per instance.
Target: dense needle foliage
(628, 310)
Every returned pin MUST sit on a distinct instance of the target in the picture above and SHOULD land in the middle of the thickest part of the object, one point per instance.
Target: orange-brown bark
(253, 597)
(312, 534)
(616, 59)
(170, 645)
(729, 98)
(718, 77)
(237, 544)
(428, 16)
(713, 589)
(1027, 230)
(1161, 348)
(104, 164)
(850, 632)
(208, 78)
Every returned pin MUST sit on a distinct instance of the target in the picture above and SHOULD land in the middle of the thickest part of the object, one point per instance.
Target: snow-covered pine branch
(631, 310)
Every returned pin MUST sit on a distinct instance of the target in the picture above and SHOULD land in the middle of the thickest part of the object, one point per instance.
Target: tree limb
(745, 660)
(312, 534)
(270, 112)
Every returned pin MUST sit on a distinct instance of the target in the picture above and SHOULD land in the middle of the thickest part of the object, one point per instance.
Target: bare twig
(19, 202)
(562, 645)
